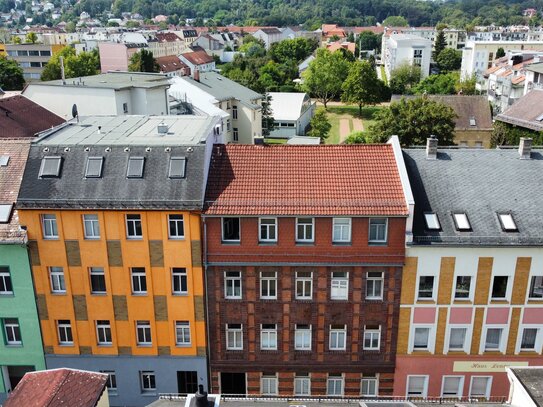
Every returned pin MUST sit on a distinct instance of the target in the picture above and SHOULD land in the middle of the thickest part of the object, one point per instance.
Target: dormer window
(507, 222)
(5, 212)
(4, 160)
(135, 167)
(50, 167)
(432, 221)
(472, 121)
(94, 167)
(461, 221)
(177, 167)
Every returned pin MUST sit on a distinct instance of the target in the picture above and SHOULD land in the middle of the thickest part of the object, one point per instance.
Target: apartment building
(32, 58)
(408, 49)
(112, 209)
(305, 246)
(472, 285)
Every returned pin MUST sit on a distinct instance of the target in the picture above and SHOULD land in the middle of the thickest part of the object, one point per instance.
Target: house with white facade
(292, 112)
(197, 60)
(534, 77)
(113, 93)
(269, 35)
(407, 49)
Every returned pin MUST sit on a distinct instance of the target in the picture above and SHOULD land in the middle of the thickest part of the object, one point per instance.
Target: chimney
(525, 148)
(201, 397)
(431, 148)
(196, 75)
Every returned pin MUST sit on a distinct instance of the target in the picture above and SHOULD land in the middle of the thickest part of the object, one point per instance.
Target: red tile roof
(168, 37)
(58, 388)
(21, 117)
(305, 180)
(171, 63)
(199, 57)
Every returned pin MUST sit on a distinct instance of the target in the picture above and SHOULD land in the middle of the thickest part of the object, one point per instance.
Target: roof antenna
(75, 114)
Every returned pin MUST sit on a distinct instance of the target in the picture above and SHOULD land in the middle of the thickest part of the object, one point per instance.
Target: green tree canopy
(369, 41)
(395, 21)
(268, 122)
(84, 64)
(143, 61)
(414, 120)
(404, 78)
(500, 53)
(449, 60)
(296, 49)
(11, 74)
(440, 44)
(505, 134)
(324, 76)
(362, 86)
(466, 86)
(319, 126)
(443, 84)
(31, 37)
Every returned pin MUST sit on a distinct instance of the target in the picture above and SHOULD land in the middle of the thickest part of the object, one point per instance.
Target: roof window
(432, 221)
(177, 167)
(461, 221)
(507, 222)
(4, 160)
(135, 167)
(472, 121)
(94, 167)
(50, 167)
(5, 212)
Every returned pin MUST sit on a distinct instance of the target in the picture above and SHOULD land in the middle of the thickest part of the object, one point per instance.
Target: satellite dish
(74, 111)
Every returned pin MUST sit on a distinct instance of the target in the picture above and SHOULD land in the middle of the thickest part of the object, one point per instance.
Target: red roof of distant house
(21, 117)
(198, 57)
(376, 29)
(58, 388)
(350, 46)
(167, 37)
(305, 180)
(171, 63)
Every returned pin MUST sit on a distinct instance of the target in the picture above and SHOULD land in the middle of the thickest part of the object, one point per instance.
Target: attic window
(50, 167)
(4, 160)
(461, 221)
(135, 167)
(94, 167)
(5, 212)
(507, 222)
(432, 221)
(177, 167)
(472, 121)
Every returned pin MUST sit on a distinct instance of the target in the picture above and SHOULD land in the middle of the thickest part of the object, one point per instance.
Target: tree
(505, 134)
(449, 60)
(84, 64)
(296, 49)
(16, 39)
(443, 84)
(404, 78)
(11, 74)
(500, 53)
(31, 37)
(319, 126)
(369, 41)
(143, 61)
(466, 86)
(395, 21)
(414, 120)
(325, 74)
(268, 122)
(362, 87)
(440, 44)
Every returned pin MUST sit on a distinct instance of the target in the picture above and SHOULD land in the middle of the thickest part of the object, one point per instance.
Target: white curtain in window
(421, 337)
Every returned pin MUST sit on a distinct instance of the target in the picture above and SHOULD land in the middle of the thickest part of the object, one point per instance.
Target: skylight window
(5, 212)
(472, 121)
(177, 167)
(461, 221)
(432, 221)
(539, 118)
(4, 160)
(50, 167)
(94, 167)
(507, 222)
(135, 167)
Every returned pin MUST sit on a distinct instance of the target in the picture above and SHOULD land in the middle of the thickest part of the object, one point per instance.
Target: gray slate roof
(222, 88)
(526, 111)
(532, 380)
(113, 80)
(480, 183)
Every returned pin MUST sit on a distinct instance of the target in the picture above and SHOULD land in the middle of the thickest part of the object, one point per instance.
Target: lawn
(349, 112)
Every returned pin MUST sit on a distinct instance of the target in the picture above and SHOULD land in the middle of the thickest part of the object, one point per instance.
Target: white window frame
(459, 390)
(470, 292)
(374, 280)
(303, 337)
(91, 226)
(338, 337)
(5, 277)
(267, 281)
(267, 228)
(307, 229)
(49, 226)
(269, 385)
(507, 289)
(57, 280)
(370, 382)
(431, 338)
(13, 330)
(234, 333)
(66, 329)
(145, 381)
(335, 380)
(97, 271)
(343, 229)
(339, 285)
(269, 333)
(538, 339)
(371, 332)
(532, 277)
(424, 387)
(302, 385)
(299, 278)
(432, 298)
(376, 239)
(182, 331)
(102, 330)
(111, 382)
(467, 338)
(175, 223)
(136, 273)
(134, 222)
(488, 386)
(145, 328)
(179, 275)
(230, 285)
(503, 338)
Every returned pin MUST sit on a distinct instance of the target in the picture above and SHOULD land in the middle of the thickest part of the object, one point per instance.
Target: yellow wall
(135, 253)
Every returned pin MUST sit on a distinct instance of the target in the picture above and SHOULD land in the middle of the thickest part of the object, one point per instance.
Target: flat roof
(112, 80)
(130, 130)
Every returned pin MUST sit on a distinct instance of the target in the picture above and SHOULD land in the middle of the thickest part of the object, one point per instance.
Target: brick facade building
(304, 250)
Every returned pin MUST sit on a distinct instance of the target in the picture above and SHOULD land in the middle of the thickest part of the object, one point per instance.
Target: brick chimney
(431, 148)
(525, 148)
(196, 75)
